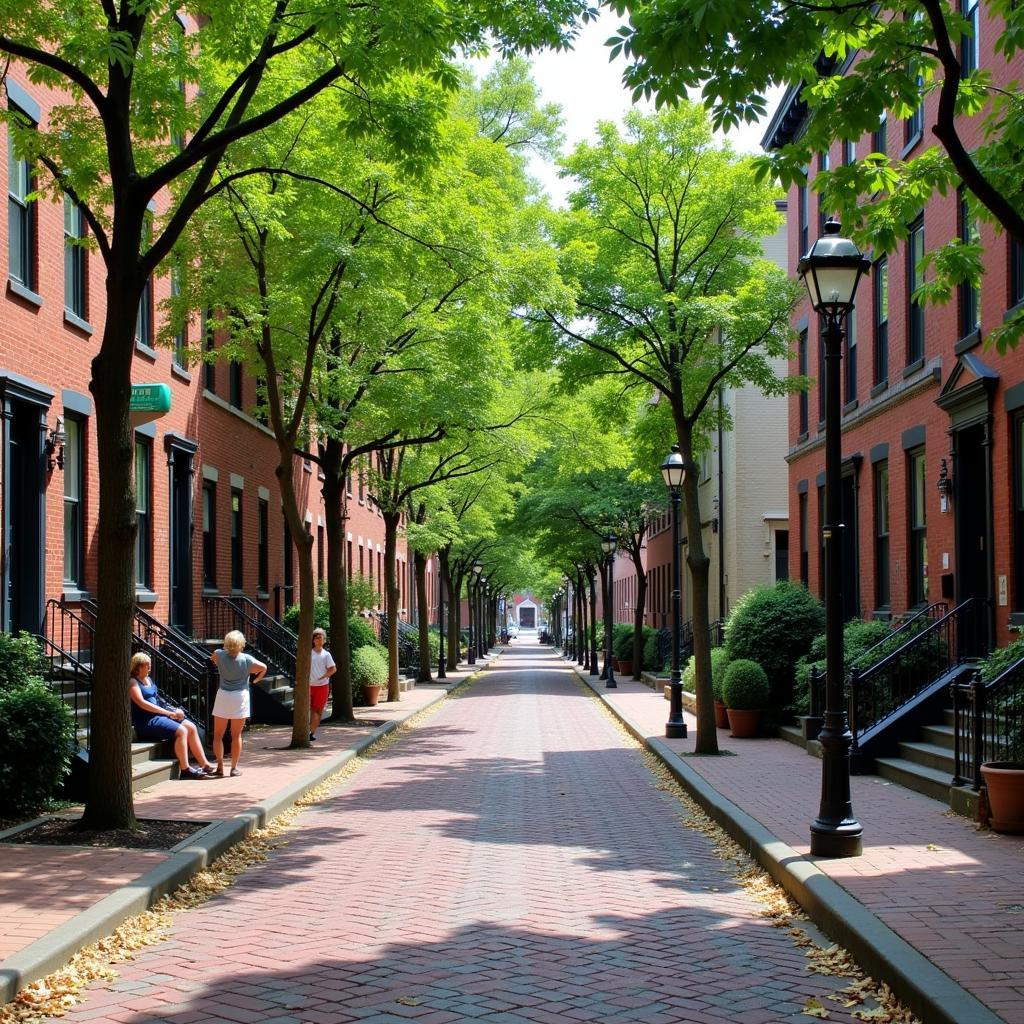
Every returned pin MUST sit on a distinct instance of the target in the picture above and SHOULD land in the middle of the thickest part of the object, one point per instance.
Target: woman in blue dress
(153, 722)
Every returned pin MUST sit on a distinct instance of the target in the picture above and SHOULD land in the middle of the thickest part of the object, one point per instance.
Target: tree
(129, 133)
(675, 300)
(852, 62)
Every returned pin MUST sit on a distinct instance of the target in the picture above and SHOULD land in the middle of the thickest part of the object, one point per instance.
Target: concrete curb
(921, 985)
(54, 950)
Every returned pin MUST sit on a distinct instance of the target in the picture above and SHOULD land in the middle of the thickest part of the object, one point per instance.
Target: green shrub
(360, 633)
(774, 626)
(37, 734)
(369, 667)
(746, 686)
(859, 636)
(622, 641)
(1002, 658)
(20, 659)
(651, 661)
(321, 615)
(719, 663)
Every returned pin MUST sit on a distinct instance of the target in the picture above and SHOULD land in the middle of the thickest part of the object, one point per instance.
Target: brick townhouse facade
(209, 512)
(932, 419)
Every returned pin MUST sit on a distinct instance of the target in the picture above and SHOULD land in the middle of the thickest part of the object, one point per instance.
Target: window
(143, 498)
(880, 136)
(850, 358)
(913, 127)
(180, 354)
(969, 304)
(237, 572)
(802, 370)
(915, 278)
(802, 212)
(361, 566)
(918, 530)
(348, 559)
(235, 383)
(849, 151)
(1016, 272)
(289, 565)
(262, 550)
(320, 550)
(1018, 513)
(74, 259)
(823, 214)
(73, 501)
(882, 594)
(880, 285)
(804, 552)
(969, 40)
(144, 316)
(210, 368)
(821, 540)
(362, 481)
(821, 369)
(209, 535)
(21, 219)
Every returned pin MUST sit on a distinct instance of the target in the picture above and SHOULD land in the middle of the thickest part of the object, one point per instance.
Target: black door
(182, 523)
(970, 507)
(24, 502)
(851, 575)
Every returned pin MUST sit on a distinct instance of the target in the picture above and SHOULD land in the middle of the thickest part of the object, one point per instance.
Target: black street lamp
(441, 672)
(474, 625)
(608, 547)
(673, 472)
(831, 271)
(565, 618)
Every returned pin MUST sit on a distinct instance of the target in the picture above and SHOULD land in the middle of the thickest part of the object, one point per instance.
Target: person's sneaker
(211, 769)
(193, 773)
(312, 737)
(235, 773)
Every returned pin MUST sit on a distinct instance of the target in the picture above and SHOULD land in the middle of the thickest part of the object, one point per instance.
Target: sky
(589, 89)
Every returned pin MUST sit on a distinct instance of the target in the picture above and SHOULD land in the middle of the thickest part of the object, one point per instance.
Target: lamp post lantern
(831, 271)
(673, 472)
(608, 547)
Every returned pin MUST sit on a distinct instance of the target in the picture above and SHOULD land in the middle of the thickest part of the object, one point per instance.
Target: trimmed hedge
(369, 668)
(20, 659)
(622, 641)
(719, 663)
(746, 686)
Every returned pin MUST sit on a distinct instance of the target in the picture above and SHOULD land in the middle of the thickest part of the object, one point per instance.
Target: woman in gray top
(231, 704)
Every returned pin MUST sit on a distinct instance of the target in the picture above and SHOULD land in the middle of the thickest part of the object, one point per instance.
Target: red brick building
(209, 513)
(932, 420)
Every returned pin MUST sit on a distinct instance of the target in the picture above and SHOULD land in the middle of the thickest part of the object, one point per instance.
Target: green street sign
(151, 398)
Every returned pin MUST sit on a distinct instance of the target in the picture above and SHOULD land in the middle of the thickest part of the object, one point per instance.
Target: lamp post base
(675, 731)
(675, 727)
(829, 839)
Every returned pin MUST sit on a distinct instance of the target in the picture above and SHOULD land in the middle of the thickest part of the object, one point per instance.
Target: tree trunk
(638, 613)
(307, 593)
(423, 609)
(592, 577)
(585, 622)
(336, 516)
(451, 611)
(391, 601)
(699, 565)
(581, 627)
(109, 803)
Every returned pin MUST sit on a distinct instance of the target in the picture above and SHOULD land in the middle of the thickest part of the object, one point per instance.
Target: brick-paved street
(509, 861)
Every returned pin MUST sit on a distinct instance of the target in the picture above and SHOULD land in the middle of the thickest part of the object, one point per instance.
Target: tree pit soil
(151, 834)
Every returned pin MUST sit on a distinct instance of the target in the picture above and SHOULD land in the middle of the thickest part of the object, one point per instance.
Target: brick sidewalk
(951, 891)
(510, 861)
(43, 887)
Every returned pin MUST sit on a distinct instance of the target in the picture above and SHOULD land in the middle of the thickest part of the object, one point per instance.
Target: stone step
(147, 751)
(930, 755)
(921, 779)
(939, 735)
(793, 734)
(151, 772)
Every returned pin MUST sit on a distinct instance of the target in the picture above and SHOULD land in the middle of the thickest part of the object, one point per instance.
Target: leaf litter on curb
(56, 994)
(779, 908)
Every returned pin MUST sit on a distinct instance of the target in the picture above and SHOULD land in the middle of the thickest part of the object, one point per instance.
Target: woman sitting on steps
(153, 721)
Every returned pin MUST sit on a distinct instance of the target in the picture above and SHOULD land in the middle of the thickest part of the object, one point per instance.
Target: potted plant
(622, 647)
(369, 674)
(1004, 778)
(745, 690)
(719, 665)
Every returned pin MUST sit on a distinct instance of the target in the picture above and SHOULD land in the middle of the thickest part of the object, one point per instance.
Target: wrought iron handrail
(406, 644)
(988, 722)
(67, 671)
(222, 615)
(892, 681)
(256, 612)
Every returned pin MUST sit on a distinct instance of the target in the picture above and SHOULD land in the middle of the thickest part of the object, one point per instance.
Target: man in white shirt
(321, 668)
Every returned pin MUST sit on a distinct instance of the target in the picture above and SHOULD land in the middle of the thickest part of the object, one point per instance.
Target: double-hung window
(209, 535)
(970, 306)
(1016, 272)
(850, 360)
(915, 278)
(969, 51)
(802, 370)
(880, 287)
(143, 514)
(917, 524)
(144, 316)
(262, 550)
(237, 572)
(21, 218)
(74, 260)
(73, 517)
(882, 593)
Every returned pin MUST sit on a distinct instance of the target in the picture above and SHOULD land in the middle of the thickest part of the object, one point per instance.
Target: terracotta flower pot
(624, 666)
(721, 715)
(1004, 782)
(371, 694)
(743, 723)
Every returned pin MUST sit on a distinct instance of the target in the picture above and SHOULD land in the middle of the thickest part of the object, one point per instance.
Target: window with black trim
(880, 287)
(73, 495)
(802, 202)
(882, 592)
(915, 278)
(969, 52)
(913, 126)
(880, 136)
(209, 535)
(821, 540)
(804, 550)
(348, 559)
(802, 370)
(970, 305)
(821, 369)
(823, 214)
(144, 316)
(917, 528)
(180, 352)
(210, 366)
(289, 564)
(237, 569)
(74, 259)
(1016, 272)
(21, 216)
(262, 545)
(143, 514)
(1018, 513)
(235, 383)
(850, 358)
(849, 151)
(320, 551)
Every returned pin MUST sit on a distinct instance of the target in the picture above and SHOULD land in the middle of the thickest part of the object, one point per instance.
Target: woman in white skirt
(232, 701)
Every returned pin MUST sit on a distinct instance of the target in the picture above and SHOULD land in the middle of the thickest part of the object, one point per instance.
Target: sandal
(235, 773)
(191, 772)
(211, 770)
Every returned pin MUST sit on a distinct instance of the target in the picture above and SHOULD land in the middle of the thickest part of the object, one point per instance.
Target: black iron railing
(988, 722)
(888, 684)
(908, 628)
(408, 643)
(223, 614)
(71, 680)
(266, 621)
